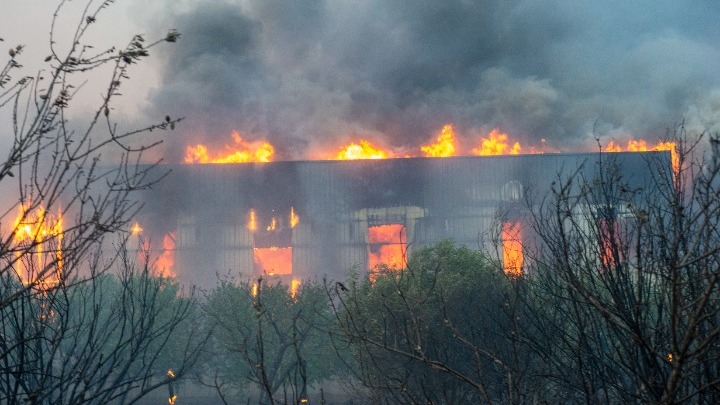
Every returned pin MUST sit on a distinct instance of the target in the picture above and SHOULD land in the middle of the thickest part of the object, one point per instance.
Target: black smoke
(310, 73)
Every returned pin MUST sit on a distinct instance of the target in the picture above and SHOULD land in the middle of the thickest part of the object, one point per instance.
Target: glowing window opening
(512, 248)
(273, 260)
(387, 245)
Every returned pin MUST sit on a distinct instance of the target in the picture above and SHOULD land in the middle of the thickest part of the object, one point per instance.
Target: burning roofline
(411, 158)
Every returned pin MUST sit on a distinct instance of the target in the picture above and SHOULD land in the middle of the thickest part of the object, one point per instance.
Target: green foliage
(113, 337)
(436, 331)
(266, 337)
(136, 316)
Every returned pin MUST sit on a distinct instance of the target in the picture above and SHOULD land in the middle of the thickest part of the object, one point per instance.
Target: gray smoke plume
(309, 74)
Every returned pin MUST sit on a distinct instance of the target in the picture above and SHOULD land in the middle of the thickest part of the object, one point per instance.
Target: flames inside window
(512, 249)
(387, 245)
(273, 260)
(272, 237)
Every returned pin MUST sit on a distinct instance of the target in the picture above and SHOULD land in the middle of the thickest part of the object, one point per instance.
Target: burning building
(312, 219)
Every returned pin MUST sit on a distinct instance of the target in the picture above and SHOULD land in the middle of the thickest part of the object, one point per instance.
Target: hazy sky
(309, 73)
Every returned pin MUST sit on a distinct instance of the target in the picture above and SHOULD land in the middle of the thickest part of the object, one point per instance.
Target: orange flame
(166, 260)
(444, 146)
(496, 144)
(294, 287)
(387, 245)
(642, 146)
(39, 237)
(242, 151)
(608, 239)
(364, 150)
(512, 249)
(136, 229)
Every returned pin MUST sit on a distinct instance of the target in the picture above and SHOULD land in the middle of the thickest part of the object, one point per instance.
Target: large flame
(444, 146)
(643, 146)
(362, 150)
(38, 236)
(496, 144)
(512, 248)
(242, 151)
(387, 245)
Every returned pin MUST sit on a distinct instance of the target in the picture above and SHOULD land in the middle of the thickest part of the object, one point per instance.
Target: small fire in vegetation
(38, 236)
(387, 245)
(242, 151)
(294, 287)
(497, 144)
(172, 397)
(512, 249)
(444, 145)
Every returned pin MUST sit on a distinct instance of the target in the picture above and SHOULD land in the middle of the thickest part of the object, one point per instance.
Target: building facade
(314, 219)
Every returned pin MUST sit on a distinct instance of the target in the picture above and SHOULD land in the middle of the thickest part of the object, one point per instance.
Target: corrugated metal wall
(436, 198)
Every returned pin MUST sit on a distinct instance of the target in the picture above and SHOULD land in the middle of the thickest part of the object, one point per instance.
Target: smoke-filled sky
(315, 74)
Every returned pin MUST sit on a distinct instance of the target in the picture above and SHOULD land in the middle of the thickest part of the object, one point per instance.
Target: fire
(242, 151)
(294, 287)
(136, 229)
(171, 389)
(273, 225)
(363, 150)
(274, 260)
(444, 146)
(294, 218)
(512, 249)
(39, 236)
(166, 260)
(387, 245)
(255, 290)
(642, 146)
(252, 221)
(613, 147)
(608, 242)
(496, 144)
